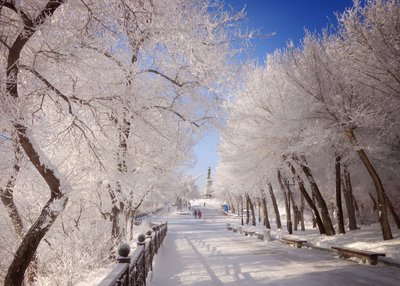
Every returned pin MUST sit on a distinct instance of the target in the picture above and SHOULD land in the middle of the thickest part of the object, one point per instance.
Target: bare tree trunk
(116, 212)
(380, 191)
(265, 210)
(253, 215)
(303, 227)
(321, 202)
(241, 203)
(310, 202)
(232, 206)
(7, 198)
(286, 200)
(339, 195)
(56, 203)
(27, 248)
(247, 209)
(275, 205)
(296, 216)
(314, 199)
(348, 195)
(54, 206)
(297, 213)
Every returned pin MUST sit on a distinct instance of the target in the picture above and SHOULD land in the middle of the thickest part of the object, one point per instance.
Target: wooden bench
(249, 232)
(259, 235)
(298, 243)
(366, 256)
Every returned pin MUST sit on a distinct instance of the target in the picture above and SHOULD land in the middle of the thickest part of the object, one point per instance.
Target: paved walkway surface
(203, 253)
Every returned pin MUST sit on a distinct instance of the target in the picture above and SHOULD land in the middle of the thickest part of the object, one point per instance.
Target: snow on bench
(296, 242)
(249, 231)
(366, 256)
(259, 235)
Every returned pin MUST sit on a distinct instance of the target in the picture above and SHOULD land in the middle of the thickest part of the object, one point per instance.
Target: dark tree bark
(265, 210)
(314, 199)
(286, 200)
(7, 198)
(232, 206)
(117, 210)
(253, 215)
(309, 200)
(259, 209)
(297, 212)
(247, 209)
(301, 213)
(348, 196)
(275, 205)
(56, 203)
(380, 191)
(339, 195)
(320, 200)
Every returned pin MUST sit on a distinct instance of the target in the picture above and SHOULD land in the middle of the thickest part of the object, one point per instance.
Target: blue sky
(287, 19)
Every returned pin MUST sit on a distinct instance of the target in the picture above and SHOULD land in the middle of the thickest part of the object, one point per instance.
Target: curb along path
(202, 252)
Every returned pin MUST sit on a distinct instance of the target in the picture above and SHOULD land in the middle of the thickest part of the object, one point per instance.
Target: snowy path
(202, 252)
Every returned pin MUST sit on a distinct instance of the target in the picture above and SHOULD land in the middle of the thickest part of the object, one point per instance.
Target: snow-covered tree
(104, 94)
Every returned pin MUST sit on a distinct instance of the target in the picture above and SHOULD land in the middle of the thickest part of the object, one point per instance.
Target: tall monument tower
(208, 192)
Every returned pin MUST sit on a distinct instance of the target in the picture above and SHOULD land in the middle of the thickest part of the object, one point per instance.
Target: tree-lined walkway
(203, 252)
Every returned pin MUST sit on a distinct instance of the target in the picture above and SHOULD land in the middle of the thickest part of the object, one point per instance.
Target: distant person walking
(195, 213)
(199, 213)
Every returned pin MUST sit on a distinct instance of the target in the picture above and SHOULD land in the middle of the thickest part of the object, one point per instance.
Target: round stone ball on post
(141, 238)
(123, 252)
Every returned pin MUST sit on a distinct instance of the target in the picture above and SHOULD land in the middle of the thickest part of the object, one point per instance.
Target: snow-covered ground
(203, 252)
(365, 238)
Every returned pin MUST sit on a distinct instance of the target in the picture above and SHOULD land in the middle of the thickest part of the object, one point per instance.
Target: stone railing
(132, 270)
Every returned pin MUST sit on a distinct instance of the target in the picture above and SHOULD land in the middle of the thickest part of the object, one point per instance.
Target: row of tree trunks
(275, 205)
(253, 214)
(232, 205)
(329, 229)
(247, 209)
(286, 200)
(380, 192)
(265, 209)
(309, 200)
(298, 213)
(339, 195)
(348, 196)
